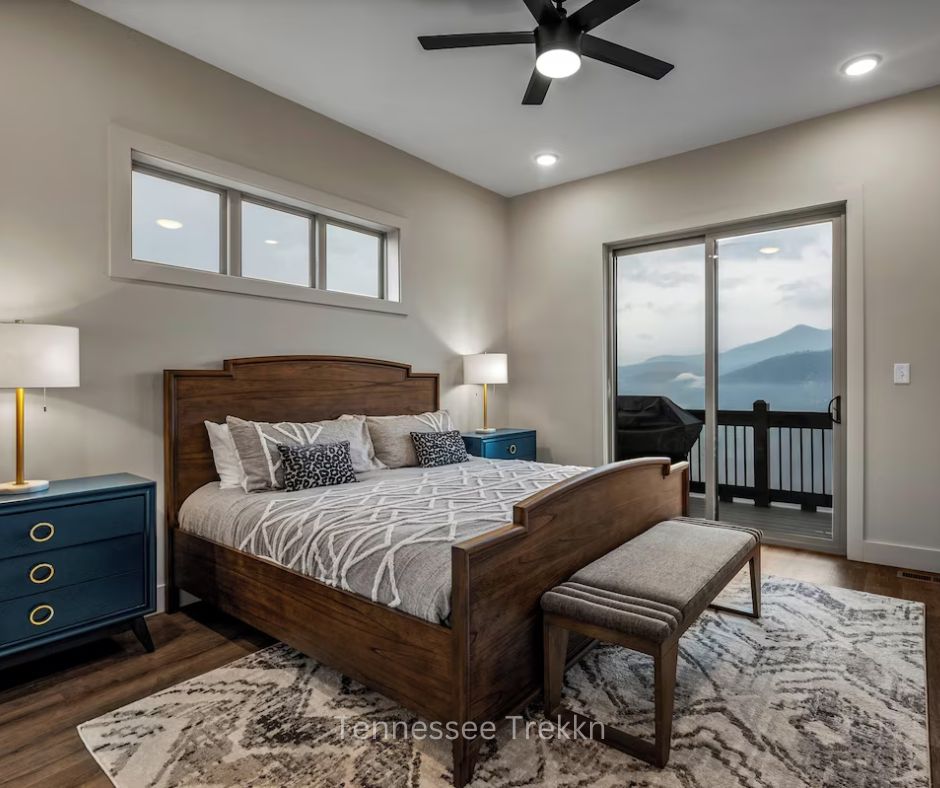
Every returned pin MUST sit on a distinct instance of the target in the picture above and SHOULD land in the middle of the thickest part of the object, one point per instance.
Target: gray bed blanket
(387, 537)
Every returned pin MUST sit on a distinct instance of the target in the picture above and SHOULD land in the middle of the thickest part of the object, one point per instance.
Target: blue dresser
(504, 444)
(77, 561)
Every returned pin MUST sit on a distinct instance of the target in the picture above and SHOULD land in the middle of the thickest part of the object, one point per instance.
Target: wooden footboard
(404, 657)
(499, 577)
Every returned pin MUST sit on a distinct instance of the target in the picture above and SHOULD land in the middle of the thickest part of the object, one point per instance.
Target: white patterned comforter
(387, 537)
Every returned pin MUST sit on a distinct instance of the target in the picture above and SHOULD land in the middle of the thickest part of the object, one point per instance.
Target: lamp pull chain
(44, 409)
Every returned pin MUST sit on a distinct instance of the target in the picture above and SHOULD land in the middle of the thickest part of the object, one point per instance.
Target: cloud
(805, 293)
(691, 380)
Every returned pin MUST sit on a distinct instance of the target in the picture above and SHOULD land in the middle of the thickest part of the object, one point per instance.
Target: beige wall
(65, 75)
(884, 156)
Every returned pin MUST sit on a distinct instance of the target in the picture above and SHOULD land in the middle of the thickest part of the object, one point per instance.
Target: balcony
(774, 473)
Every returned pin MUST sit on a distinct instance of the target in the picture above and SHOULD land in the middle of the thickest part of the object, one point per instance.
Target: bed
(470, 654)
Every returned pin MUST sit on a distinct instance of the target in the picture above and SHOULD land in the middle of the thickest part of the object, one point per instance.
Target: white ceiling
(742, 66)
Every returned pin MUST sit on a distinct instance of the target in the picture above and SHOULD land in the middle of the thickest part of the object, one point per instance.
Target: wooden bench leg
(555, 651)
(754, 570)
(665, 663)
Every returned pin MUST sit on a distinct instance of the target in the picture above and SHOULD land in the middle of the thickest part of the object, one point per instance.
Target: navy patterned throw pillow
(319, 465)
(439, 448)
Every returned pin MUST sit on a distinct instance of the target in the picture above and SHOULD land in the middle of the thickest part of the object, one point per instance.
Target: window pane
(275, 245)
(175, 224)
(661, 324)
(775, 319)
(352, 261)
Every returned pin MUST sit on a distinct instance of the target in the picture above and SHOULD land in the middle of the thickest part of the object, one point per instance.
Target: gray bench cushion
(646, 586)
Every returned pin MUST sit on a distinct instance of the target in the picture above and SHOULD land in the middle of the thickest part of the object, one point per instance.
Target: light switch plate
(902, 374)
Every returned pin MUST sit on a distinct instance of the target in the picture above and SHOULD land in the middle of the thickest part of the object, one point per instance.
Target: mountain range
(791, 371)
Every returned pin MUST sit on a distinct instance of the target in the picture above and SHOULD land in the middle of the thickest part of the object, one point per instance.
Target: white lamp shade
(486, 368)
(35, 357)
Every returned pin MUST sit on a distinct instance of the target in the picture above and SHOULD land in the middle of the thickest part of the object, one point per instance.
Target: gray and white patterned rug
(828, 689)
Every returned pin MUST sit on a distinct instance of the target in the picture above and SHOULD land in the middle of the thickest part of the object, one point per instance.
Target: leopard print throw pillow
(439, 448)
(319, 465)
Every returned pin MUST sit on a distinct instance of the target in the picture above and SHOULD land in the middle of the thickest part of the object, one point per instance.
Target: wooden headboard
(275, 388)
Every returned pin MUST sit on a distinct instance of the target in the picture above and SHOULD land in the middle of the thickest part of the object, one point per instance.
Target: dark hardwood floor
(41, 703)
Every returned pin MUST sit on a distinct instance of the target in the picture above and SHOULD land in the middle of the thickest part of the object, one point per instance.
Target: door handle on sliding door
(835, 409)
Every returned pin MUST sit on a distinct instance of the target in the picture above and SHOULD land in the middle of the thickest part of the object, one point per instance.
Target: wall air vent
(925, 577)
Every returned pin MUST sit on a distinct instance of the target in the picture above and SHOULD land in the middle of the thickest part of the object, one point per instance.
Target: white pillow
(227, 464)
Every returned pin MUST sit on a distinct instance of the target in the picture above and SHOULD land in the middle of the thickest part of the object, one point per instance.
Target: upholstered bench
(643, 595)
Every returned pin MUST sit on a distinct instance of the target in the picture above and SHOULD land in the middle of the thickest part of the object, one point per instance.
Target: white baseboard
(161, 598)
(185, 599)
(903, 556)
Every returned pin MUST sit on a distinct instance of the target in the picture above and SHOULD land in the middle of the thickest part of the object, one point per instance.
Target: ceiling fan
(560, 41)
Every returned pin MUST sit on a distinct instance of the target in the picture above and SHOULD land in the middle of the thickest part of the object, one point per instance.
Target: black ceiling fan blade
(459, 40)
(543, 11)
(629, 59)
(597, 12)
(538, 87)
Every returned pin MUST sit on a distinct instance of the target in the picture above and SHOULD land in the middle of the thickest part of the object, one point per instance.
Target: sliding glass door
(660, 351)
(732, 339)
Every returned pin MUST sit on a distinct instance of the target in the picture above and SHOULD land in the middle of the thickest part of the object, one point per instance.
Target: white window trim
(127, 146)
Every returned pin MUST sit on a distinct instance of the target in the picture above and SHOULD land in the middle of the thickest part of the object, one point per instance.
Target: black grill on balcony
(654, 427)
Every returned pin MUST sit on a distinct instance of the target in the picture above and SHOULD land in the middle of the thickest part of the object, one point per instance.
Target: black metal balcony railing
(766, 456)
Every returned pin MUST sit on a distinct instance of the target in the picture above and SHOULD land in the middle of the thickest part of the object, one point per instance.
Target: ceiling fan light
(558, 63)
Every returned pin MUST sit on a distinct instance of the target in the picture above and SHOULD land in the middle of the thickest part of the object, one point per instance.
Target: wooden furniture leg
(142, 631)
(665, 664)
(555, 641)
(754, 570)
(753, 563)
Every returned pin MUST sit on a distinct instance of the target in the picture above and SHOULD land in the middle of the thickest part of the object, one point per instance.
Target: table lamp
(486, 368)
(34, 356)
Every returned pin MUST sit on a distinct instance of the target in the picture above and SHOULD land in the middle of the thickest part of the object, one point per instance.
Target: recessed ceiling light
(859, 66)
(169, 224)
(769, 249)
(546, 159)
(558, 63)
(270, 242)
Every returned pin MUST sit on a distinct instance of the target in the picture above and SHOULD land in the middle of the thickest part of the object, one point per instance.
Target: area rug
(828, 689)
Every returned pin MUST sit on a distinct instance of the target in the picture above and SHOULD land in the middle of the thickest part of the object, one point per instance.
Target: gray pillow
(257, 442)
(391, 435)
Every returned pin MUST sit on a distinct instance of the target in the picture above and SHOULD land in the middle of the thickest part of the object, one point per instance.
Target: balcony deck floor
(780, 524)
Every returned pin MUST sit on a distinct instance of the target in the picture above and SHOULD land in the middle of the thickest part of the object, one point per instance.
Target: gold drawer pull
(36, 617)
(512, 448)
(37, 535)
(36, 574)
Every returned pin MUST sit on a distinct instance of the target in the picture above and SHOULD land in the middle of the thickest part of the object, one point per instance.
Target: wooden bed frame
(488, 663)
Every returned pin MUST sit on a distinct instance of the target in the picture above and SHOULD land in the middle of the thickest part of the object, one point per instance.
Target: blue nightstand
(501, 445)
(77, 562)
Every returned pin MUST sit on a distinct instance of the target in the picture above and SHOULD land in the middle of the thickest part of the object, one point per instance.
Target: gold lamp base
(486, 428)
(28, 486)
(21, 485)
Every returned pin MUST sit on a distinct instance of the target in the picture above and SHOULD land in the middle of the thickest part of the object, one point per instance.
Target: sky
(661, 293)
